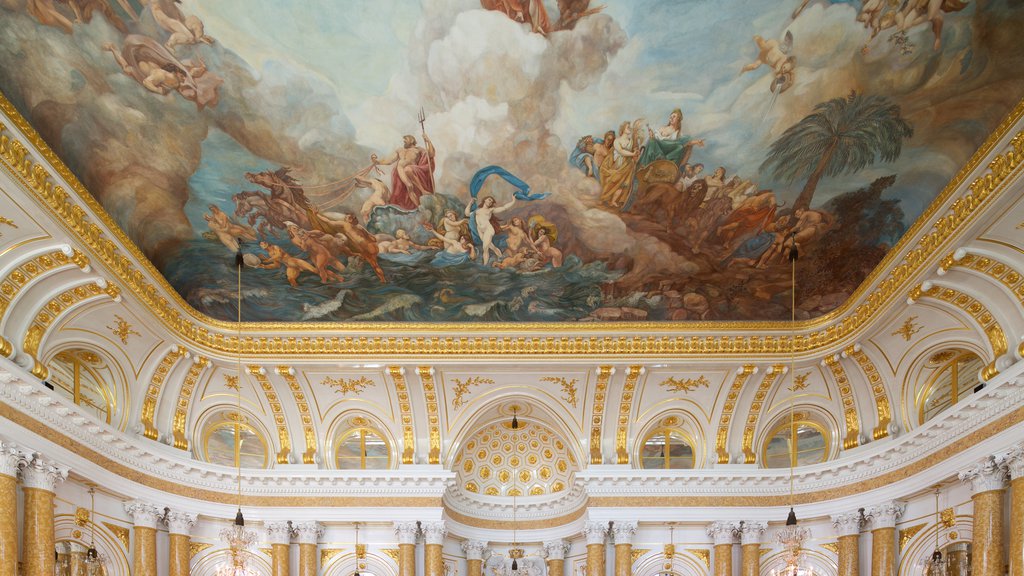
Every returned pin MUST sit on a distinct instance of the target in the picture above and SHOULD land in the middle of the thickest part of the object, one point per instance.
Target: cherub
(401, 244)
(183, 29)
(776, 56)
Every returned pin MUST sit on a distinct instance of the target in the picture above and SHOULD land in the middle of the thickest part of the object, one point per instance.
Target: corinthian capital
(11, 459)
(722, 532)
(750, 532)
(885, 515)
(309, 532)
(622, 532)
(144, 514)
(279, 532)
(433, 532)
(475, 549)
(179, 522)
(555, 550)
(1014, 461)
(406, 532)
(989, 474)
(42, 474)
(595, 532)
(848, 523)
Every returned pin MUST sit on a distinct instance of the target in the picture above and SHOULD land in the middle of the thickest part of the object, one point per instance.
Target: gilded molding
(391, 553)
(749, 457)
(907, 534)
(883, 408)
(426, 374)
(977, 310)
(702, 554)
(20, 277)
(153, 391)
(405, 408)
(621, 435)
(188, 385)
(283, 436)
(120, 532)
(308, 431)
(832, 547)
(49, 313)
(846, 397)
(722, 440)
(604, 374)
(196, 328)
(197, 547)
(992, 267)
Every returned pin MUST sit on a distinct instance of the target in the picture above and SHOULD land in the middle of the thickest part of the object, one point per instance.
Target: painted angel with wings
(776, 56)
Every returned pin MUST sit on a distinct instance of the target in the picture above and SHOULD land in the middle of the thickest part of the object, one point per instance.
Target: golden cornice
(760, 396)
(308, 432)
(927, 235)
(405, 407)
(621, 451)
(999, 271)
(977, 310)
(184, 397)
(849, 404)
(260, 374)
(604, 374)
(721, 441)
(426, 374)
(882, 407)
(153, 391)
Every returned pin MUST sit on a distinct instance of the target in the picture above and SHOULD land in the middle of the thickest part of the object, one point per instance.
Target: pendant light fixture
(515, 552)
(239, 540)
(356, 573)
(95, 562)
(936, 565)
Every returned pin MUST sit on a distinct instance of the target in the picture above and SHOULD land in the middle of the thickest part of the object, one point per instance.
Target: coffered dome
(532, 460)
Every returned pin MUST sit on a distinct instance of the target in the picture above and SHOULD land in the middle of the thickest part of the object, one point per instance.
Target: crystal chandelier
(792, 537)
(936, 564)
(239, 540)
(95, 562)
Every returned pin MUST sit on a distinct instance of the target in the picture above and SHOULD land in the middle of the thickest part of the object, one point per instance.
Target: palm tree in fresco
(841, 136)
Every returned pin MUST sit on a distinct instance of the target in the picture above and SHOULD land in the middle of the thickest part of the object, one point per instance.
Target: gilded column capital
(623, 531)
(309, 532)
(42, 474)
(144, 514)
(989, 474)
(722, 532)
(1014, 461)
(474, 549)
(179, 522)
(595, 532)
(433, 532)
(751, 532)
(885, 515)
(11, 459)
(555, 550)
(279, 532)
(848, 523)
(406, 532)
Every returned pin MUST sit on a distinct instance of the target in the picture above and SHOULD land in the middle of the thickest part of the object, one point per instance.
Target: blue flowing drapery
(522, 192)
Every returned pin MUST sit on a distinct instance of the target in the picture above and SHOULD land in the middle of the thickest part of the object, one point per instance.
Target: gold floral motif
(197, 547)
(907, 534)
(850, 414)
(832, 547)
(433, 422)
(119, 532)
(308, 431)
(604, 373)
(346, 385)
(231, 382)
(153, 391)
(391, 553)
(82, 516)
(755, 412)
(948, 518)
(5, 221)
(703, 555)
(184, 397)
(632, 375)
(800, 382)
(461, 388)
(721, 441)
(636, 553)
(328, 554)
(568, 388)
(882, 407)
(275, 407)
(685, 385)
(908, 329)
(123, 329)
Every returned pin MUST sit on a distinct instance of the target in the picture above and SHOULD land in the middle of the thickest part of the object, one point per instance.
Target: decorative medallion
(82, 516)
(122, 329)
(800, 382)
(685, 384)
(346, 385)
(231, 381)
(948, 518)
(908, 329)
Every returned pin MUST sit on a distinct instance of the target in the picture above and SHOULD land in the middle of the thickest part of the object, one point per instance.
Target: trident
(422, 117)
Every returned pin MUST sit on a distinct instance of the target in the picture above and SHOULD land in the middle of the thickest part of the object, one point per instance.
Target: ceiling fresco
(513, 160)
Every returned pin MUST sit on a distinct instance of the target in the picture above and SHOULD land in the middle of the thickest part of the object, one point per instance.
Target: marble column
(723, 534)
(554, 553)
(11, 459)
(406, 533)
(956, 555)
(988, 485)
(475, 550)
(847, 527)
(595, 533)
(433, 539)
(279, 535)
(179, 526)
(39, 480)
(144, 518)
(1015, 465)
(308, 535)
(883, 518)
(622, 537)
(750, 540)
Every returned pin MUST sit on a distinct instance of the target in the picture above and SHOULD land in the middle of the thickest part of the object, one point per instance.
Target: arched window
(219, 446)
(955, 377)
(812, 443)
(362, 449)
(84, 377)
(667, 449)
